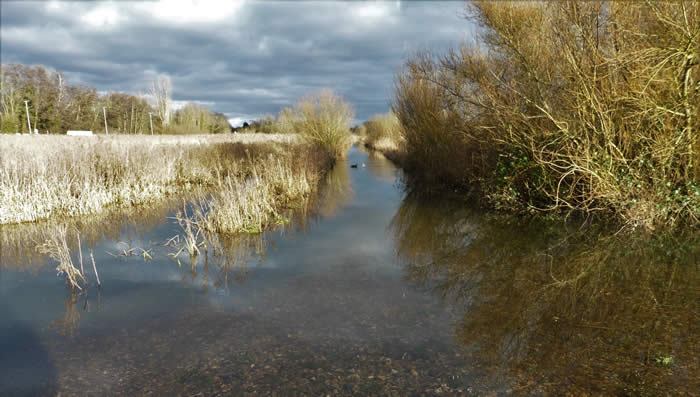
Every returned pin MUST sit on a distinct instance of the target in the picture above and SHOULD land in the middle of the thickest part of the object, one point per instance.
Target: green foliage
(664, 360)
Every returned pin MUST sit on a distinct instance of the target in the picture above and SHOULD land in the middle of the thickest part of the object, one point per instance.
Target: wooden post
(29, 124)
(104, 112)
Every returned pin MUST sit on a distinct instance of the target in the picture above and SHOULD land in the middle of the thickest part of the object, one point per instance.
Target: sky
(239, 57)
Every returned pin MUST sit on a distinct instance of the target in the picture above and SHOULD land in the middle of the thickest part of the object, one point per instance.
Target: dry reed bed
(262, 197)
(46, 176)
(239, 187)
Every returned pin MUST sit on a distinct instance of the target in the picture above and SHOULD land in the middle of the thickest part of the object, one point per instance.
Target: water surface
(370, 292)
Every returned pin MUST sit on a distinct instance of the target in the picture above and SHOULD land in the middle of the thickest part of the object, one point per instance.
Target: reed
(274, 184)
(49, 176)
(56, 247)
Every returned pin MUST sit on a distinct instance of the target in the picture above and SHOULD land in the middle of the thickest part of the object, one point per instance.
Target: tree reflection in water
(560, 309)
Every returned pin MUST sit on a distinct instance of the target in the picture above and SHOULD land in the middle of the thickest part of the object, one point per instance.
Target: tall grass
(576, 106)
(47, 176)
(262, 197)
(322, 118)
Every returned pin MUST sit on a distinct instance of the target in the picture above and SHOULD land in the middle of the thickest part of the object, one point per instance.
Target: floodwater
(372, 291)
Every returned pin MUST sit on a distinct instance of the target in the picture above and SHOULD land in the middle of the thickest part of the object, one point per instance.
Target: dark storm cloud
(242, 59)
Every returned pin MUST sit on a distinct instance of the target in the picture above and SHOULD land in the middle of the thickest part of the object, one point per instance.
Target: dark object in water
(353, 165)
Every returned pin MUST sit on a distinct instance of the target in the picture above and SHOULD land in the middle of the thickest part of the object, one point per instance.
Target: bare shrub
(382, 131)
(582, 106)
(324, 120)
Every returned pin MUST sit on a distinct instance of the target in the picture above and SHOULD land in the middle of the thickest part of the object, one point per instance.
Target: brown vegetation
(382, 132)
(580, 106)
(48, 176)
(552, 307)
(322, 119)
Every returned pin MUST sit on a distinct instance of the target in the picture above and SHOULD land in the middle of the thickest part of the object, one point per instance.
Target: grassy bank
(566, 107)
(58, 176)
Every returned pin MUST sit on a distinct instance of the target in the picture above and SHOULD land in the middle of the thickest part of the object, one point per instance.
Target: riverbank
(605, 129)
(44, 177)
(679, 209)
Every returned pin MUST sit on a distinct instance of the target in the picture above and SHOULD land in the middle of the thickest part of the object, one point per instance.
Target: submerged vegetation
(567, 107)
(574, 106)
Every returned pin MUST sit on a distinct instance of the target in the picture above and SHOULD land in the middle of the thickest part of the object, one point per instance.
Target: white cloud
(100, 17)
(177, 105)
(258, 92)
(372, 12)
(193, 11)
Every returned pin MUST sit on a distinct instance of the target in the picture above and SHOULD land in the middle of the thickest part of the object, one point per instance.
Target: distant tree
(161, 90)
(10, 100)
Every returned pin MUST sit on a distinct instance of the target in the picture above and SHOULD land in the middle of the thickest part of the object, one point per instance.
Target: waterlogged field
(364, 290)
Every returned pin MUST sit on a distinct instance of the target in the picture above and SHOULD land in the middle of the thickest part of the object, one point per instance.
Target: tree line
(54, 106)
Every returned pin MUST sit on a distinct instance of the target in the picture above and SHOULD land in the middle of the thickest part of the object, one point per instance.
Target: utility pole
(29, 124)
(104, 112)
(150, 117)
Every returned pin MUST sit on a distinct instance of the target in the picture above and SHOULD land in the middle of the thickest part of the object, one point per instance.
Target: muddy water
(371, 292)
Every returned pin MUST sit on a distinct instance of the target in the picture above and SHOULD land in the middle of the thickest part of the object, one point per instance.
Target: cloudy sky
(241, 58)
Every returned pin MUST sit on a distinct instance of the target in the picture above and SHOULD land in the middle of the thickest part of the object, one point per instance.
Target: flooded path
(374, 293)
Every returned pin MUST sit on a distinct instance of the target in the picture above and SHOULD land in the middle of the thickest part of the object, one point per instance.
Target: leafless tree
(161, 90)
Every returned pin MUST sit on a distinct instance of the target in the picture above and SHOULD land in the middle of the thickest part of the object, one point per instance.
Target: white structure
(29, 124)
(79, 133)
(104, 112)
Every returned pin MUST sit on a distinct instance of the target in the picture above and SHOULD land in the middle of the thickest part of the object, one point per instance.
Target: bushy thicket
(196, 119)
(382, 131)
(322, 118)
(566, 105)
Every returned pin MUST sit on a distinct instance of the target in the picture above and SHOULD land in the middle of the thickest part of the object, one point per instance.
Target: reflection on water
(18, 242)
(557, 309)
(365, 292)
